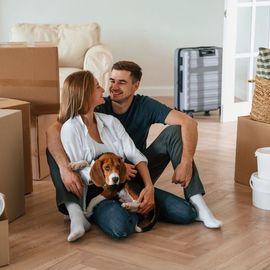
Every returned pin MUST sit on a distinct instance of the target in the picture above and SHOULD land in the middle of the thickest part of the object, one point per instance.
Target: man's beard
(119, 100)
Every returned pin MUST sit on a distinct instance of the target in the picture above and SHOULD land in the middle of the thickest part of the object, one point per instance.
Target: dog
(108, 172)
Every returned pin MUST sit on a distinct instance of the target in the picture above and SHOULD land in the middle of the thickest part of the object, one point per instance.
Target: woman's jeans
(116, 221)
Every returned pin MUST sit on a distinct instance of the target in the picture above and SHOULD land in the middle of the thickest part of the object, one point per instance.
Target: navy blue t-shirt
(143, 112)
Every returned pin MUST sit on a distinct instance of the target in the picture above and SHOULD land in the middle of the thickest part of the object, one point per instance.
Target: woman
(85, 135)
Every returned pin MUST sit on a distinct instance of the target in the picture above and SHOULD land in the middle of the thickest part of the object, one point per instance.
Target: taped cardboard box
(30, 72)
(39, 125)
(12, 164)
(251, 135)
(4, 242)
(24, 107)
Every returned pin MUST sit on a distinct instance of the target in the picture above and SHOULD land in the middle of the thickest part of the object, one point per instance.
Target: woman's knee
(119, 230)
(114, 220)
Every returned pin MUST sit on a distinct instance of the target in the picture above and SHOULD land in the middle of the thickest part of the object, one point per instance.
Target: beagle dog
(108, 172)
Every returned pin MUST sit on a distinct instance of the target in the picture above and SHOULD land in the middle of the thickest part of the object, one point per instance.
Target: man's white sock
(78, 223)
(204, 213)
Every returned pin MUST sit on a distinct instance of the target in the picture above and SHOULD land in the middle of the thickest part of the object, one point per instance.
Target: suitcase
(197, 79)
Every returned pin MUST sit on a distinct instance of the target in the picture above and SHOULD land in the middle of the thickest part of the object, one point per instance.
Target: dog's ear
(122, 171)
(96, 174)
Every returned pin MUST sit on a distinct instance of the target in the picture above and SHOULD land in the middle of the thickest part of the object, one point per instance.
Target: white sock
(204, 213)
(78, 223)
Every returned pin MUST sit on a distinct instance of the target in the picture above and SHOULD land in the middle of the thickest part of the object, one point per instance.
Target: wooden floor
(38, 239)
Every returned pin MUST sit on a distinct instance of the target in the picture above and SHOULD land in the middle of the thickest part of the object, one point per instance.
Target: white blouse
(80, 146)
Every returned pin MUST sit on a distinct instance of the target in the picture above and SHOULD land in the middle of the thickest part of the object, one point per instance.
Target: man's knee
(173, 130)
(174, 209)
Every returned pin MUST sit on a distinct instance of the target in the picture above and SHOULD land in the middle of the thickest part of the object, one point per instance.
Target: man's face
(122, 88)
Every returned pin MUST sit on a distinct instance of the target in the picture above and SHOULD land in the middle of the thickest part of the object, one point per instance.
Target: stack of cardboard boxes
(251, 135)
(29, 102)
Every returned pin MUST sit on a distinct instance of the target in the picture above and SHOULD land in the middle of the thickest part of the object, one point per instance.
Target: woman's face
(97, 95)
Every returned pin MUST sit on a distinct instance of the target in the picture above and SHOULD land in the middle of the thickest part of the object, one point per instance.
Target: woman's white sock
(78, 223)
(204, 213)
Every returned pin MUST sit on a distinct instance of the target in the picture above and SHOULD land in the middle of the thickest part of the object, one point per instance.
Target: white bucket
(263, 162)
(260, 192)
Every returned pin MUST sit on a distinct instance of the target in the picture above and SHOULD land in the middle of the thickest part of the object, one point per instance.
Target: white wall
(145, 31)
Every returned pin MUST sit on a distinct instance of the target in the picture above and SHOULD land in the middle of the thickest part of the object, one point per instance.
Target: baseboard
(166, 90)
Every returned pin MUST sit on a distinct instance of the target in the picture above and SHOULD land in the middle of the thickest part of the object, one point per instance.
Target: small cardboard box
(24, 106)
(12, 163)
(4, 242)
(251, 135)
(30, 72)
(39, 125)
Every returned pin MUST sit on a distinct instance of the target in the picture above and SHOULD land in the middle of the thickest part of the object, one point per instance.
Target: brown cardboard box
(4, 242)
(251, 135)
(39, 125)
(24, 106)
(30, 72)
(11, 160)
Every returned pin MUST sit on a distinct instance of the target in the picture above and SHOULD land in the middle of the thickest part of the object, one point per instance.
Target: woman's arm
(74, 143)
(70, 179)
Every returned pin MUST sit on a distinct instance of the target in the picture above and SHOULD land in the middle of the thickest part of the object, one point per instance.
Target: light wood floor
(38, 239)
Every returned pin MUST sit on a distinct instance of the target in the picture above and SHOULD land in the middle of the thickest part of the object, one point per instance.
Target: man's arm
(183, 171)
(71, 180)
(147, 194)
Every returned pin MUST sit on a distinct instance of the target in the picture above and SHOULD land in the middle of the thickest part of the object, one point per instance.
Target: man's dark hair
(134, 69)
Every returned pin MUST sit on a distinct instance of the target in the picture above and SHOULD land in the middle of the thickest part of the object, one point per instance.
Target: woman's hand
(130, 171)
(147, 199)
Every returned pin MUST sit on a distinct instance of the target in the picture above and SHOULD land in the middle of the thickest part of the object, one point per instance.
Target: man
(176, 143)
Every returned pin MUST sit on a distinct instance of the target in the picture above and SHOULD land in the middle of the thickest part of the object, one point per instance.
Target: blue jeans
(118, 223)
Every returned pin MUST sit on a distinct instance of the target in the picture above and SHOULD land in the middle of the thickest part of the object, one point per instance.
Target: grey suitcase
(197, 79)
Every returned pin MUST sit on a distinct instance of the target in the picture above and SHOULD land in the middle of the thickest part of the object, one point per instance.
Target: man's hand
(183, 173)
(130, 171)
(147, 200)
(72, 181)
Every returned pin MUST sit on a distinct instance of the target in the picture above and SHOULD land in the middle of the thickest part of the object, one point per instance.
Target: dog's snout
(115, 179)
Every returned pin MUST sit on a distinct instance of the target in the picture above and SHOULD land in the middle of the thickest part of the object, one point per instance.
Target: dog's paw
(138, 229)
(131, 206)
(78, 165)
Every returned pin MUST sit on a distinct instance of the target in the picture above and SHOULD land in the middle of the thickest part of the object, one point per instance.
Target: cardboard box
(4, 242)
(30, 72)
(12, 163)
(251, 135)
(24, 106)
(39, 125)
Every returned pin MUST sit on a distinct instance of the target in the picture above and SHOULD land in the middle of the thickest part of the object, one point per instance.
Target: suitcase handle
(207, 52)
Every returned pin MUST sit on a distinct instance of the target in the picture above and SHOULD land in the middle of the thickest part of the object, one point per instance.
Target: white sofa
(79, 47)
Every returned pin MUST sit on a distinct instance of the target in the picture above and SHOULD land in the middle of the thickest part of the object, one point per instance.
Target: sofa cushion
(34, 32)
(73, 40)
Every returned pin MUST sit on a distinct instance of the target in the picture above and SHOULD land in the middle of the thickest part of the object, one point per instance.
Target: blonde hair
(77, 89)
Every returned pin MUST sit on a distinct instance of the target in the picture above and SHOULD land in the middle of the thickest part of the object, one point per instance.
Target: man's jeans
(116, 221)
